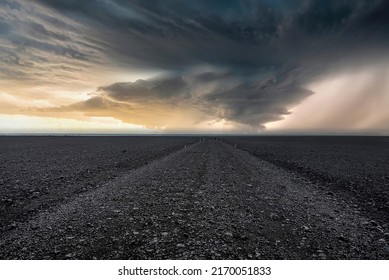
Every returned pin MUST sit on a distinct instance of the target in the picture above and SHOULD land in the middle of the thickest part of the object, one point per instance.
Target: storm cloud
(245, 61)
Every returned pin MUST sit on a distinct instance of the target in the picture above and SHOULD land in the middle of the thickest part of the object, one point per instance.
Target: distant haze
(247, 67)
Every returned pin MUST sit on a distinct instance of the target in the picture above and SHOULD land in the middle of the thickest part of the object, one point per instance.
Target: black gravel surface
(37, 173)
(355, 167)
(205, 200)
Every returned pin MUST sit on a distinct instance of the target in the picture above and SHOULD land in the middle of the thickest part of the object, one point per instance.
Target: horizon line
(200, 134)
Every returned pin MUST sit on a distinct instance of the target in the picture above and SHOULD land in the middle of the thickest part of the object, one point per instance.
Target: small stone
(274, 217)
(382, 240)
(180, 245)
(35, 194)
(229, 234)
(243, 237)
(34, 227)
(69, 256)
(322, 256)
(164, 233)
(373, 223)
(155, 240)
(343, 238)
(306, 228)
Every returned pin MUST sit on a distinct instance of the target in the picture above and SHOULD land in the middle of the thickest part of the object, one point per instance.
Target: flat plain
(194, 197)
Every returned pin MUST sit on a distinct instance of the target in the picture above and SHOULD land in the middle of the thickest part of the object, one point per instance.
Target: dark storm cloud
(153, 89)
(41, 38)
(248, 103)
(246, 61)
(221, 95)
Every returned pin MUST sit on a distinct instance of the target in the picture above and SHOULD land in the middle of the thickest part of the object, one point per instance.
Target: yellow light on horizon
(30, 124)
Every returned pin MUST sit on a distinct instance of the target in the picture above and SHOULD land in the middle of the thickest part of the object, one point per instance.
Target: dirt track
(209, 200)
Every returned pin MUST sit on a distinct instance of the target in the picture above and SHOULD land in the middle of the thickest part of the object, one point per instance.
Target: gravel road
(206, 201)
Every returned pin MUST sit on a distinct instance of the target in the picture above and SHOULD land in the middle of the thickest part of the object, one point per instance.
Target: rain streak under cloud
(195, 66)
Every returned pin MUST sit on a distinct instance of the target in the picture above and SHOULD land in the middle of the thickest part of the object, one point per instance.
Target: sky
(174, 66)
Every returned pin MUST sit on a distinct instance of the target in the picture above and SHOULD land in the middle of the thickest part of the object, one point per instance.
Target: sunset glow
(198, 68)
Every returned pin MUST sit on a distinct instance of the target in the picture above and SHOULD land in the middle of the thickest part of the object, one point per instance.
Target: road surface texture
(207, 200)
(357, 166)
(37, 173)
